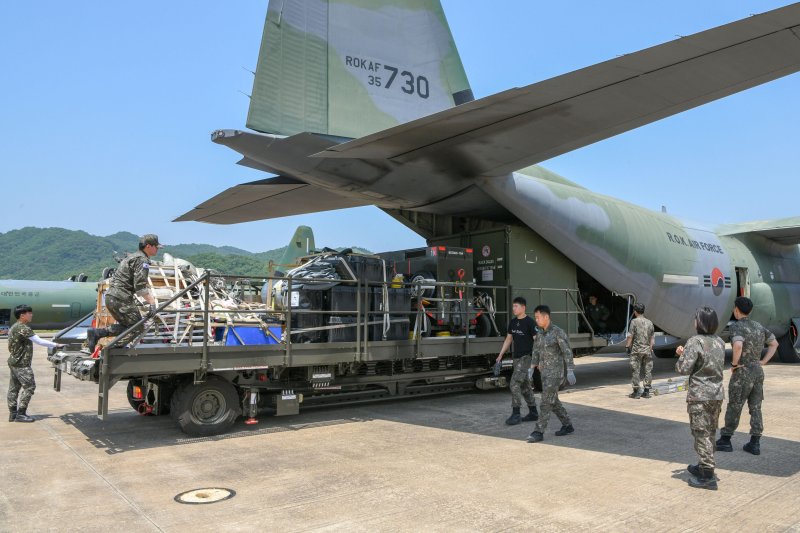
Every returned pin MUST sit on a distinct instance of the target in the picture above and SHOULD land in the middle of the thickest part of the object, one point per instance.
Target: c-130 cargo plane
(366, 102)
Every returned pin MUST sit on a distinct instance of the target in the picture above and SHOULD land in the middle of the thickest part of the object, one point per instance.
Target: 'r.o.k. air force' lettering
(697, 245)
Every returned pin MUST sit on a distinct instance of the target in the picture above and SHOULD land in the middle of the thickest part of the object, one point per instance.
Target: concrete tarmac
(447, 463)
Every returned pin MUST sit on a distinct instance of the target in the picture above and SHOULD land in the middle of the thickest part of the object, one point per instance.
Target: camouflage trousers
(639, 362)
(746, 385)
(551, 404)
(703, 421)
(126, 313)
(21, 379)
(521, 387)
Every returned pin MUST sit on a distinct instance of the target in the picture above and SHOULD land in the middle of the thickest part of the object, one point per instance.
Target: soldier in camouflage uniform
(703, 360)
(748, 339)
(129, 279)
(521, 335)
(550, 353)
(641, 338)
(20, 348)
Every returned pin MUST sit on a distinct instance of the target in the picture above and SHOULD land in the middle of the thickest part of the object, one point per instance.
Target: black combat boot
(22, 416)
(514, 419)
(536, 436)
(706, 479)
(532, 416)
(646, 393)
(724, 444)
(93, 335)
(12, 414)
(754, 446)
(694, 470)
(565, 430)
(635, 394)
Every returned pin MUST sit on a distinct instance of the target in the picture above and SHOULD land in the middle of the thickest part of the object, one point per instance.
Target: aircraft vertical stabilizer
(300, 245)
(316, 74)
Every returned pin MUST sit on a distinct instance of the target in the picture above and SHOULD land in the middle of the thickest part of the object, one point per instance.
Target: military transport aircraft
(367, 103)
(55, 303)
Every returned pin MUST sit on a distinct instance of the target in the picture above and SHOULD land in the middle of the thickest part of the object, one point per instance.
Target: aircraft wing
(782, 231)
(520, 127)
(268, 198)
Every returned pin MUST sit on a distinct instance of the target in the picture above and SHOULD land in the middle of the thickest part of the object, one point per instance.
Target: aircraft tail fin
(300, 245)
(349, 68)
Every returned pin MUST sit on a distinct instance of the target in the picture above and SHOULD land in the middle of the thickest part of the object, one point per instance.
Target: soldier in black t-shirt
(521, 332)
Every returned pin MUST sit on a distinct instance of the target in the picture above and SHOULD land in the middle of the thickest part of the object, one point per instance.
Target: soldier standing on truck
(20, 348)
(748, 339)
(521, 334)
(550, 354)
(641, 339)
(129, 279)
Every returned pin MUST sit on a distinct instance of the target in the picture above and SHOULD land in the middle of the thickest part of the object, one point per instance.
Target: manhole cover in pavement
(209, 495)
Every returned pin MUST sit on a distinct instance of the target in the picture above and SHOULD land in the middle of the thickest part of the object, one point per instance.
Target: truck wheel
(205, 409)
(131, 400)
(786, 349)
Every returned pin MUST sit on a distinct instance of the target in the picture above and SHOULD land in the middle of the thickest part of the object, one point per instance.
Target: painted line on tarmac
(138, 510)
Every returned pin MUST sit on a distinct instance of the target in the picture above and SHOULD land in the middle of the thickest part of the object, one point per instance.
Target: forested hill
(57, 254)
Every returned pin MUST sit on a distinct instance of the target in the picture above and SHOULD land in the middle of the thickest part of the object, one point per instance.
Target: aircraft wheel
(786, 347)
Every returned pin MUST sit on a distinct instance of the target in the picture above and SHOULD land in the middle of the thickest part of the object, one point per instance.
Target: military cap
(150, 238)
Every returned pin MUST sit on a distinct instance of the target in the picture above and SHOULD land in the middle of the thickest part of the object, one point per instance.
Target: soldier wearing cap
(641, 339)
(129, 280)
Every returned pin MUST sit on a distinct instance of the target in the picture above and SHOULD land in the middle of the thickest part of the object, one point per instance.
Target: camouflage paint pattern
(670, 266)
(315, 74)
(347, 68)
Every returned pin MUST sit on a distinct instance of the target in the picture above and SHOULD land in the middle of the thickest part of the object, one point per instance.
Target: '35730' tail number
(408, 83)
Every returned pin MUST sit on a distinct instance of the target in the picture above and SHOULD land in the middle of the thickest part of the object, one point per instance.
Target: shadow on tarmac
(126, 431)
(480, 413)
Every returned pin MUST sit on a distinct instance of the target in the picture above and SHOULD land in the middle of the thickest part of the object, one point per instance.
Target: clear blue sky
(107, 108)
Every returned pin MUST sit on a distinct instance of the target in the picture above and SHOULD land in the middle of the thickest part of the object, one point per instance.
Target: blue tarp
(251, 335)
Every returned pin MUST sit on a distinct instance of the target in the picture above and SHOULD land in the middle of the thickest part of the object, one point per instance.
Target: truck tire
(786, 349)
(131, 400)
(205, 409)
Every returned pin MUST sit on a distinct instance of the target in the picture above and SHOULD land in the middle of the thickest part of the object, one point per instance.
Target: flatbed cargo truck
(206, 360)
